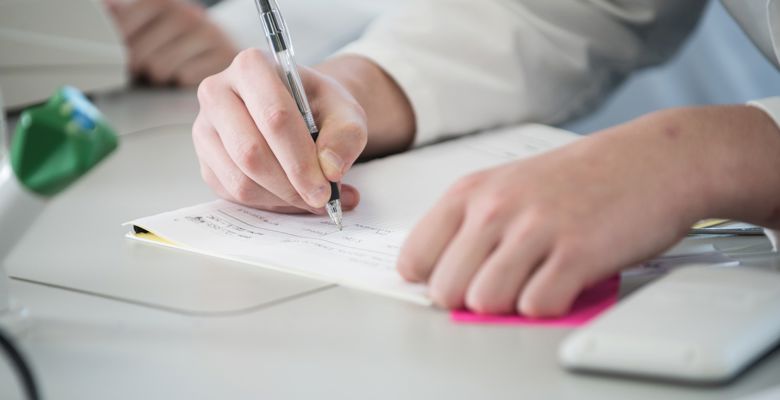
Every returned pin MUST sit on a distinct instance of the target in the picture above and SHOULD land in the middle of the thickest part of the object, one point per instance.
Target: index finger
(428, 240)
(256, 80)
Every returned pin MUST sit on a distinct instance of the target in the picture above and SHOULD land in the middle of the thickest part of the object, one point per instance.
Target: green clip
(58, 142)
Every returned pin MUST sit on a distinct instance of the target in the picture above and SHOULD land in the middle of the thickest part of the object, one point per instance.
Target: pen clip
(276, 31)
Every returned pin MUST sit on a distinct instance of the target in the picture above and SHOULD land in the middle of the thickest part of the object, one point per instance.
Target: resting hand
(528, 236)
(254, 147)
(171, 41)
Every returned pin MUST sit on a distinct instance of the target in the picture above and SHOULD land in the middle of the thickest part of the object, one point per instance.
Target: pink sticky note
(590, 303)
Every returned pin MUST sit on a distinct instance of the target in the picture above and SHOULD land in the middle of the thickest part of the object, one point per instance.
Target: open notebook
(395, 192)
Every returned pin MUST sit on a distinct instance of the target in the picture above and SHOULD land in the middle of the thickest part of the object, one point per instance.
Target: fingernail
(319, 196)
(331, 163)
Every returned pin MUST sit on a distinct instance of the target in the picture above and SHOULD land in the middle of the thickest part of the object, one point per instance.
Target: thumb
(339, 145)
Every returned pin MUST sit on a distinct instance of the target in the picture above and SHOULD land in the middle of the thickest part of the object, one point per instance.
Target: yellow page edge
(152, 238)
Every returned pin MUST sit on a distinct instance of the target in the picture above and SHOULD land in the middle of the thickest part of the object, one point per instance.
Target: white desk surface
(150, 323)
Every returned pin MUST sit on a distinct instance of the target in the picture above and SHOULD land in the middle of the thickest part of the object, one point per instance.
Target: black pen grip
(334, 191)
(334, 187)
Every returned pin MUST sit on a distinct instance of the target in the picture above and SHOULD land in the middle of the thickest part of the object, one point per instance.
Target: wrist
(351, 73)
(664, 152)
(729, 156)
(693, 180)
(390, 117)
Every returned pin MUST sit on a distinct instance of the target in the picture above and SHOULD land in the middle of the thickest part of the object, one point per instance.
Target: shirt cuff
(420, 94)
(774, 238)
(769, 105)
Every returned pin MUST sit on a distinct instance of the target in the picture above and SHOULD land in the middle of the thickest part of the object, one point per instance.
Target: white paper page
(395, 192)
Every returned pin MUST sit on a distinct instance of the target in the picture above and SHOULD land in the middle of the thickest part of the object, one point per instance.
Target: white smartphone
(699, 324)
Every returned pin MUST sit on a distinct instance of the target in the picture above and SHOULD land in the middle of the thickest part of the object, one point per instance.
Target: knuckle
(526, 225)
(207, 89)
(518, 235)
(242, 189)
(566, 263)
(560, 261)
(246, 61)
(535, 215)
(250, 156)
(304, 177)
(465, 185)
(277, 119)
(354, 133)
(490, 209)
(570, 250)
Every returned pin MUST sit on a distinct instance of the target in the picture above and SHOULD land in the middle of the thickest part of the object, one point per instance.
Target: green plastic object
(59, 141)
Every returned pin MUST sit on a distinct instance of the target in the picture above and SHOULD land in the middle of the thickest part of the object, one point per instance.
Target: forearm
(727, 160)
(391, 123)
(527, 61)
(747, 155)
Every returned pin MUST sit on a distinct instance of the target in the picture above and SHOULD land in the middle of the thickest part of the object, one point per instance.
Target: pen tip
(334, 211)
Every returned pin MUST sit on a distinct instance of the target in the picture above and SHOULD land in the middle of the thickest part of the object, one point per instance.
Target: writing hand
(254, 147)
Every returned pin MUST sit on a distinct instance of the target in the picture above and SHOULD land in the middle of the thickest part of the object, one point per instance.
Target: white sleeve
(758, 18)
(774, 238)
(468, 65)
(771, 106)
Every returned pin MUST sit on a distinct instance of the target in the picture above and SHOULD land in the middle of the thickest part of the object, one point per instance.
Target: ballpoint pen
(279, 40)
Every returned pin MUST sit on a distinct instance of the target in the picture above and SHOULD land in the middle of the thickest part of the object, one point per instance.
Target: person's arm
(441, 67)
(389, 114)
(470, 65)
(771, 106)
(508, 238)
(528, 236)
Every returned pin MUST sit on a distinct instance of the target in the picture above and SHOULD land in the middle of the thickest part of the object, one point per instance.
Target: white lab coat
(469, 65)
